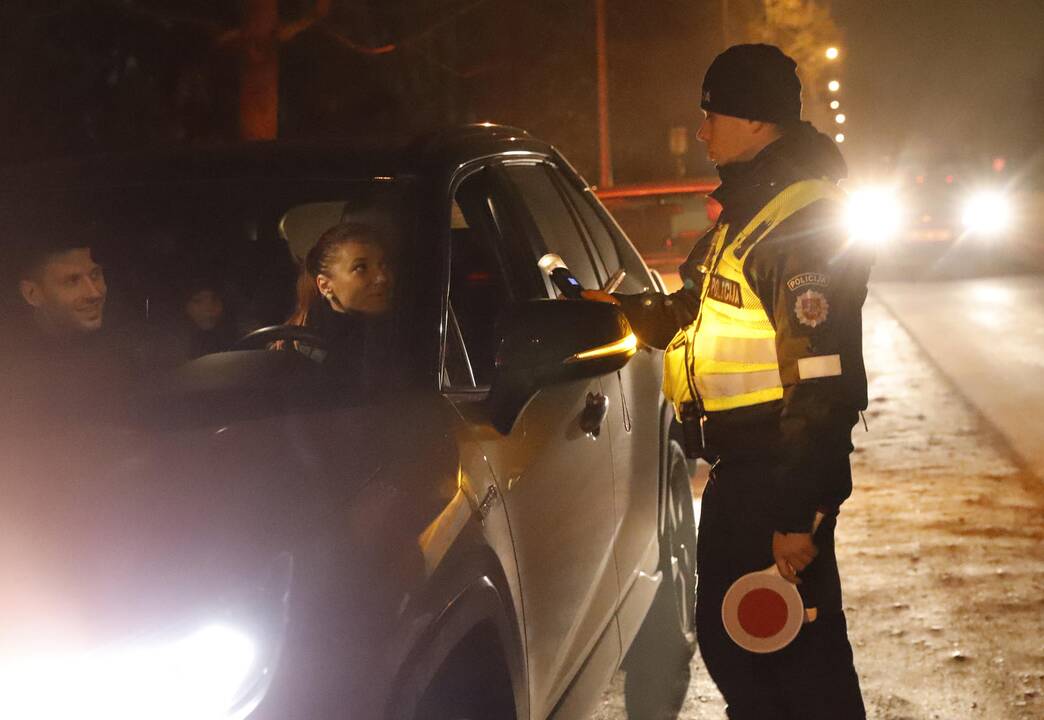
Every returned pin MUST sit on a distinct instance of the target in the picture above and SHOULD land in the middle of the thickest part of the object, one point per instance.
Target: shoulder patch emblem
(724, 290)
(809, 278)
(811, 308)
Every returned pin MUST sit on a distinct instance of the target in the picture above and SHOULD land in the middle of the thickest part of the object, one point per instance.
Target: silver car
(472, 522)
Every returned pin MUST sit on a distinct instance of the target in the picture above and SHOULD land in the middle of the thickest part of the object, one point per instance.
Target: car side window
(596, 230)
(479, 286)
(616, 252)
(554, 221)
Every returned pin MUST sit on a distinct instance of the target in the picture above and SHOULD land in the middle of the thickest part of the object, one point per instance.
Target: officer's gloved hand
(599, 296)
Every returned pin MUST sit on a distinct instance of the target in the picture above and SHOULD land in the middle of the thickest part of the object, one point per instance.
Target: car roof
(432, 152)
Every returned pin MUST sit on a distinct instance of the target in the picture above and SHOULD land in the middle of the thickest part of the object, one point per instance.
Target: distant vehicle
(663, 220)
(914, 217)
(921, 213)
(476, 525)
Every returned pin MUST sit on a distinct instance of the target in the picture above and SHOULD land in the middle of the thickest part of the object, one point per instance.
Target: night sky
(921, 78)
(943, 76)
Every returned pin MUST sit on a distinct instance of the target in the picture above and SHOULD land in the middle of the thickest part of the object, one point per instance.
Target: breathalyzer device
(561, 276)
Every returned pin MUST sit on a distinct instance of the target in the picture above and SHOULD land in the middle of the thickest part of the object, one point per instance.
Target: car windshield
(133, 296)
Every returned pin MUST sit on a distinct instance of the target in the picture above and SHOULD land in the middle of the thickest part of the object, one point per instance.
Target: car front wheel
(670, 624)
(678, 549)
(657, 664)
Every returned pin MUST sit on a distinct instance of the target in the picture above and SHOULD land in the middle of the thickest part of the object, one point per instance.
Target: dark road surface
(987, 337)
(941, 547)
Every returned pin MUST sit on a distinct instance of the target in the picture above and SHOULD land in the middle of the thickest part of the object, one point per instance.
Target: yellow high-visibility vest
(727, 355)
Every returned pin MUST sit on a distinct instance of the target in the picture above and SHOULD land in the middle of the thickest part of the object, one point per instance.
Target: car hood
(109, 532)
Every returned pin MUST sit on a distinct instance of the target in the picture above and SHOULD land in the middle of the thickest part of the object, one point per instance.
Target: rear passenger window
(554, 221)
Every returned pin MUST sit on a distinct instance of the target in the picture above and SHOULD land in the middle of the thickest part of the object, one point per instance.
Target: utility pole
(259, 38)
(259, 71)
(605, 160)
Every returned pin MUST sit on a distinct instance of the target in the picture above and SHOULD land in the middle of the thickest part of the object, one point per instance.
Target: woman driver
(343, 294)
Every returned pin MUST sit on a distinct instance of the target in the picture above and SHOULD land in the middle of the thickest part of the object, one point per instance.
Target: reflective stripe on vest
(728, 353)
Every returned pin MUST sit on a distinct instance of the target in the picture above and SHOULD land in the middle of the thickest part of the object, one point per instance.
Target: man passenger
(66, 290)
(58, 354)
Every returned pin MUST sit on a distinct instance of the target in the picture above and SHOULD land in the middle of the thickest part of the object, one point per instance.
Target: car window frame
(627, 254)
(453, 334)
(560, 180)
(508, 219)
(536, 240)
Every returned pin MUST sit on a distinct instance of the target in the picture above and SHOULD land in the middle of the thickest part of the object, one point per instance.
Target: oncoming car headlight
(202, 676)
(873, 214)
(988, 212)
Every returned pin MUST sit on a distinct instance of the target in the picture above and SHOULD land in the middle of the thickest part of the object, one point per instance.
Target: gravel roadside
(941, 557)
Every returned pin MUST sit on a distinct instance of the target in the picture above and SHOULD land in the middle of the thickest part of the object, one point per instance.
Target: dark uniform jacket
(807, 434)
(356, 346)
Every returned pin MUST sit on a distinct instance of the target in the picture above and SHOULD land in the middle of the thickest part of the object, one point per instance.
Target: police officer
(764, 367)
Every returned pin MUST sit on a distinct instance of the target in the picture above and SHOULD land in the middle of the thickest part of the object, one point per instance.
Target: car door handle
(594, 413)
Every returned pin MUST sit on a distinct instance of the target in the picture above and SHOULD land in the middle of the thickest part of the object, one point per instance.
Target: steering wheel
(263, 337)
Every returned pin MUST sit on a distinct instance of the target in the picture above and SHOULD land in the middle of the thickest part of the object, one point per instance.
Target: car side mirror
(545, 342)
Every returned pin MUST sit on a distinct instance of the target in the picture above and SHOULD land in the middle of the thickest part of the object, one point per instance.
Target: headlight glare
(199, 677)
(987, 212)
(873, 215)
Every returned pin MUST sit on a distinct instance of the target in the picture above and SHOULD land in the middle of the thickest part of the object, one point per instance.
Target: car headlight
(216, 670)
(987, 212)
(202, 676)
(873, 215)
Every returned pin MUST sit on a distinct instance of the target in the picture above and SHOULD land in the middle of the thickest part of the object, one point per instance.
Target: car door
(633, 421)
(555, 480)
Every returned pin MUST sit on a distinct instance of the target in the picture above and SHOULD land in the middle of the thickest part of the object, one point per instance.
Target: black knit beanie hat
(756, 82)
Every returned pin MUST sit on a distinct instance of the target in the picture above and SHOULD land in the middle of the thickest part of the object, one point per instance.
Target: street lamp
(834, 104)
(831, 53)
(839, 118)
(839, 138)
(833, 86)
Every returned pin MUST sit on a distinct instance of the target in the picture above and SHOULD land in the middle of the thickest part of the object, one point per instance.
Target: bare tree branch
(469, 7)
(229, 37)
(165, 19)
(344, 41)
(320, 10)
(462, 74)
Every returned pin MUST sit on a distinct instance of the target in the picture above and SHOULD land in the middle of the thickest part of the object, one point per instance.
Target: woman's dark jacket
(354, 344)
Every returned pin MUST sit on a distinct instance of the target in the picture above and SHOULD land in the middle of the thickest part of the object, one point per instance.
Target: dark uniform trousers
(814, 676)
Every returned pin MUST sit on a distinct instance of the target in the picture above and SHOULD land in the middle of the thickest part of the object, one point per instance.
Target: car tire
(657, 663)
(669, 629)
(678, 550)
(472, 684)
(465, 701)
